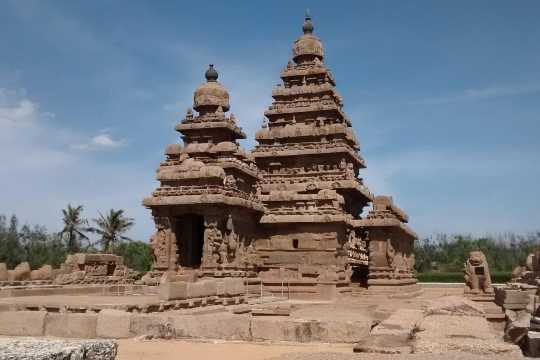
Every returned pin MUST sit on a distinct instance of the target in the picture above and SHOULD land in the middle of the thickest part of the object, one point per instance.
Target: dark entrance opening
(360, 275)
(190, 237)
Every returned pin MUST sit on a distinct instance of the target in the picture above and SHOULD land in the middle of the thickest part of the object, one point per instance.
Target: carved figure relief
(350, 171)
(163, 244)
(229, 181)
(215, 243)
(390, 253)
(231, 240)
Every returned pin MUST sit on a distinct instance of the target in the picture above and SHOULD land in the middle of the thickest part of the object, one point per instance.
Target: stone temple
(288, 212)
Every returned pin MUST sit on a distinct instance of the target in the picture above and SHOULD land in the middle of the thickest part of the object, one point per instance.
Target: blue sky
(444, 97)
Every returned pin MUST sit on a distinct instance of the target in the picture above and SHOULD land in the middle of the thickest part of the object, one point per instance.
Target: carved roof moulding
(205, 126)
(204, 199)
(210, 169)
(383, 204)
(303, 130)
(385, 223)
(280, 151)
(284, 92)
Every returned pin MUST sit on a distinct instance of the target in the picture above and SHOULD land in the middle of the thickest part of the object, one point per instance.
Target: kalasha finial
(308, 25)
(211, 74)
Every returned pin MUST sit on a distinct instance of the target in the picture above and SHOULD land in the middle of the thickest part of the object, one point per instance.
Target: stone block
(344, 331)
(233, 286)
(517, 328)
(225, 326)
(296, 330)
(71, 325)
(22, 323)
(113, 324)
(532, 348)
(202, 288)
(454, 305)
(3, 272)
(173, 291)
(504, 297)
(533, 304)
(155, 325)
(384, 344)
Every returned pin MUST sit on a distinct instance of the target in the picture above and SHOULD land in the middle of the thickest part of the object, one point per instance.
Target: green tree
(75, 227)
(111, 229)
(35, 243)
(11, 251)
(137, 255)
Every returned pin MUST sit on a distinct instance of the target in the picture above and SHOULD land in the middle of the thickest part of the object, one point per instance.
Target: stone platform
(97, 303)
(381, 321)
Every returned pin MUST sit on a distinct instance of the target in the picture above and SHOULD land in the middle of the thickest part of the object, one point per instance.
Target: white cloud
(41, 173)
(102, 141)
(16, 111)
(27, 144)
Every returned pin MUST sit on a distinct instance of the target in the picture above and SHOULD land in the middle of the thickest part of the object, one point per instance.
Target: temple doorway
(360, 275)
(190, 237)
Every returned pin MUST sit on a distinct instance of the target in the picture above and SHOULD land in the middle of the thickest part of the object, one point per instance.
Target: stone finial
(307, 45)
(308, 25)
(211, 74)
(211, 94)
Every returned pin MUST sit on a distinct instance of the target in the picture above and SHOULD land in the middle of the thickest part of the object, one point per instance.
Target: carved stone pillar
(164, 247)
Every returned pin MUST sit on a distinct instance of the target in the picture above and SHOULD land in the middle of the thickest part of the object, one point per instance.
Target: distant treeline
(446, 253)
(38, 246)
(443, 253)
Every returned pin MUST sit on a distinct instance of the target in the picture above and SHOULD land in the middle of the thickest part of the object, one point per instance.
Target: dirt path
(131, 349)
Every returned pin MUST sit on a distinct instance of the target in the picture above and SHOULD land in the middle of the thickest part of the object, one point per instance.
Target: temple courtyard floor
(434, 325)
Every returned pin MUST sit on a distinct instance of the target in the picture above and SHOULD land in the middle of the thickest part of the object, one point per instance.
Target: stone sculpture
(477, 276)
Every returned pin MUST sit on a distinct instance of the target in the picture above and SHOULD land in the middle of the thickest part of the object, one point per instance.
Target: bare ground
(133, 349)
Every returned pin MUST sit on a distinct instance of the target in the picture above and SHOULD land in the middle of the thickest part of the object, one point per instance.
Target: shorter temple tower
(205, 208)
(391, 248)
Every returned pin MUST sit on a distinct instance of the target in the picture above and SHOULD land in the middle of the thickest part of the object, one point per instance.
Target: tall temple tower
(308, 157)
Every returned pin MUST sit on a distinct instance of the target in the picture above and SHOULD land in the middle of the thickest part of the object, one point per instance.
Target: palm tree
(74, 227)
(111, 228)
